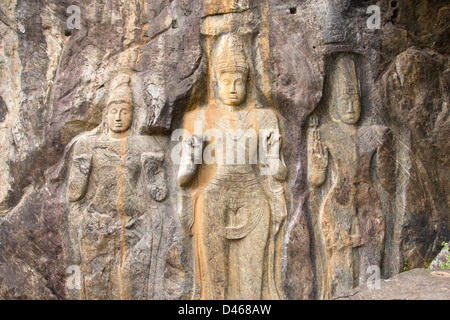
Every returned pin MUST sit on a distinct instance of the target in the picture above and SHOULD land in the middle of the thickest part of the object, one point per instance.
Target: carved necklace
(239, 131)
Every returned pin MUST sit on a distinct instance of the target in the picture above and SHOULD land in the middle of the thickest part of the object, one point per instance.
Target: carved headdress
(231, 56)
(120, 89)
(344, 77)
(344, 85)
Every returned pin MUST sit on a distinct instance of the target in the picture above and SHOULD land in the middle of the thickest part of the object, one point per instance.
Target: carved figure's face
(120, 115)
(348, 108)
(232, 88)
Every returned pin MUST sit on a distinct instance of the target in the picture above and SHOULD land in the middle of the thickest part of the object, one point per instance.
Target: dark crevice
(3, 110)
(224, 13)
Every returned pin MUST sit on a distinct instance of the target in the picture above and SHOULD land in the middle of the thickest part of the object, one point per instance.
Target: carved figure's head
(120, 115)
(120, 108)
(345, 105)
(232, 72)
(232, 88)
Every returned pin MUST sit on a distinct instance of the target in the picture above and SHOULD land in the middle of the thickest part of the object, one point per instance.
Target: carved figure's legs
(100, 248)
(210, 246)
(230, 268)
(247, 256)
(339, 228)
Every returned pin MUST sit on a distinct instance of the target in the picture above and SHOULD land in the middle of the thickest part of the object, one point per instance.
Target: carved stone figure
(348, 174)
(237, 198)
(116, 179)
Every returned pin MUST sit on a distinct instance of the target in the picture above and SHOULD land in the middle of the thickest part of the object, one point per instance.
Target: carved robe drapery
(347, 209)
(349, 171)
(235, 212)
(115, 222)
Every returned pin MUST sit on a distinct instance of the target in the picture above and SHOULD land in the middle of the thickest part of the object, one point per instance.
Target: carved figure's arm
(277, 171)
(319, 159)
(188, 167)
(155, 175)
(80, 170)
(386, 162)
(276, 164)
(273, 168)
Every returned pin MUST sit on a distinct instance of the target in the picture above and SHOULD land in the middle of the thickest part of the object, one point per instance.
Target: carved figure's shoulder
(190, 117)
(267, 117)
(148, 143)
(196, 114)
(373, 132)
(372, 136)
(84, 143)
(329, 132)
(374, 129)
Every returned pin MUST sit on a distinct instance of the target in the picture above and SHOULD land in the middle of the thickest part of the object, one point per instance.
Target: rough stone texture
(417, 284)
(54, 83)
(3, 110)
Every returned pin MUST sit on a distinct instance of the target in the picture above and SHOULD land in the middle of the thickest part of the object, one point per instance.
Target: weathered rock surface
(416, 284)
(440, 260)
(55, 84)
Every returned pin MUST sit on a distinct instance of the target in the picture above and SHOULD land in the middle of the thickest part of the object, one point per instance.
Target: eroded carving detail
(116, 180)
(236, 209)
(349, 177)
(225, 6)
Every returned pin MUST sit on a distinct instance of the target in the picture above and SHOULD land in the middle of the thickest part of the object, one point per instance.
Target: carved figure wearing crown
(115, 180)
(349, 176)
(237, 197)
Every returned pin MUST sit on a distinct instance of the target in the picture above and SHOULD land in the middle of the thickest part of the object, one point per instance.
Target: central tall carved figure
(238, 205)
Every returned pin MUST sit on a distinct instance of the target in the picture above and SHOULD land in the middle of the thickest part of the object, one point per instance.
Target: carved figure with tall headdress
(349, 185)
(115, 180)
(232, 167)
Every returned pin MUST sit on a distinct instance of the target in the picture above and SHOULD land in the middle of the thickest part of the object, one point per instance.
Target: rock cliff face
(84, 216)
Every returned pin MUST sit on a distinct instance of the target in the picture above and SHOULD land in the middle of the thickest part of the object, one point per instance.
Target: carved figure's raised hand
(197, 144)
(192, 148)
(274, 144)
(314, 122)
(191, 145)
(320, 153)
(188, 148)
(276, 167)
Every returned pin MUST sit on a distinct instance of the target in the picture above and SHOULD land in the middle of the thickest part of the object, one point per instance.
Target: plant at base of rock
(405, 265)
(446, 264)
(428, 264)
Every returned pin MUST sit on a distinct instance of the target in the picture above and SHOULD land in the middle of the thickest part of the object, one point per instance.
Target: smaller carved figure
(347, 173)
(115, 180)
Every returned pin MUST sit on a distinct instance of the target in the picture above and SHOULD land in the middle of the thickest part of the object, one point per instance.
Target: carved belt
(242, 189)
(235, 233)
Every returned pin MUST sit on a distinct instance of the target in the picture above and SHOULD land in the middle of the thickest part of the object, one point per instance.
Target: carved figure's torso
(113, 218)
(232, 211)
(349, 210)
